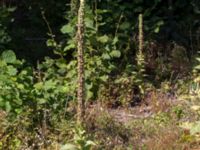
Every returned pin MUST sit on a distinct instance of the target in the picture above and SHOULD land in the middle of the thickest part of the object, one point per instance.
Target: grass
(152, 125)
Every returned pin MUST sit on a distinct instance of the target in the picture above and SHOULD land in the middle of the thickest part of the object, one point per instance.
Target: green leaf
(115, 40)
(106, 56)
(67, 29)
(157, 29)
(8, 106)
(20, 86)
(89, 94)
(38, 85)
(50, 84)
(51, 43)
(8, 56)
(18, 110)
(41, 101)
(69, 47)
(158, 25)
(103, 39)
(198, 59)
(197, 67)
(104, 78)
(88, 86)
(115, 53)
(89, 23)
(12, 71)
(125, 25)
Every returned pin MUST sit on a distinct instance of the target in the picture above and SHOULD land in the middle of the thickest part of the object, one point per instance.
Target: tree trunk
(80, 59)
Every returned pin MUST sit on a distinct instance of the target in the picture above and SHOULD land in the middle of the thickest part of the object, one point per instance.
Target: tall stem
(140, 37)
(80, 59)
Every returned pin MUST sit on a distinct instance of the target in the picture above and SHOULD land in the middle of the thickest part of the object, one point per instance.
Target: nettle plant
(13, 83)
(100, 53)
(52, 90)
(43, 91)
(34, 98)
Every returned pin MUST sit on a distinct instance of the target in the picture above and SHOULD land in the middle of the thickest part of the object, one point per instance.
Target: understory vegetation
(138, 76)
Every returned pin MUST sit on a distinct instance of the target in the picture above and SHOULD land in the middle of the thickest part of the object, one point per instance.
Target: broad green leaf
(104, 78)
(157, 29)
(8, 56)
(64, 89)
(106, 56)
(18, 110)
(125, 25)
(51, 43)
(12, 71)
(38, 85)
(101, 24)
(103, 39)
(88, 86)
(2, 63)
(69, 47)
(89, 94)
(3, 78)
(7, 106)
(17, 100)
(20, 86)
(158, 25)
(88, 73)
(115, 40)
(41, 100)
(98, 62)
(67, 29)
(115, 53)
(89, 23)
(50, 84)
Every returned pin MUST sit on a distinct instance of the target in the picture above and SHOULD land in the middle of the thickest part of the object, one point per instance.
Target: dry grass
(164, 140)
(158, 131)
